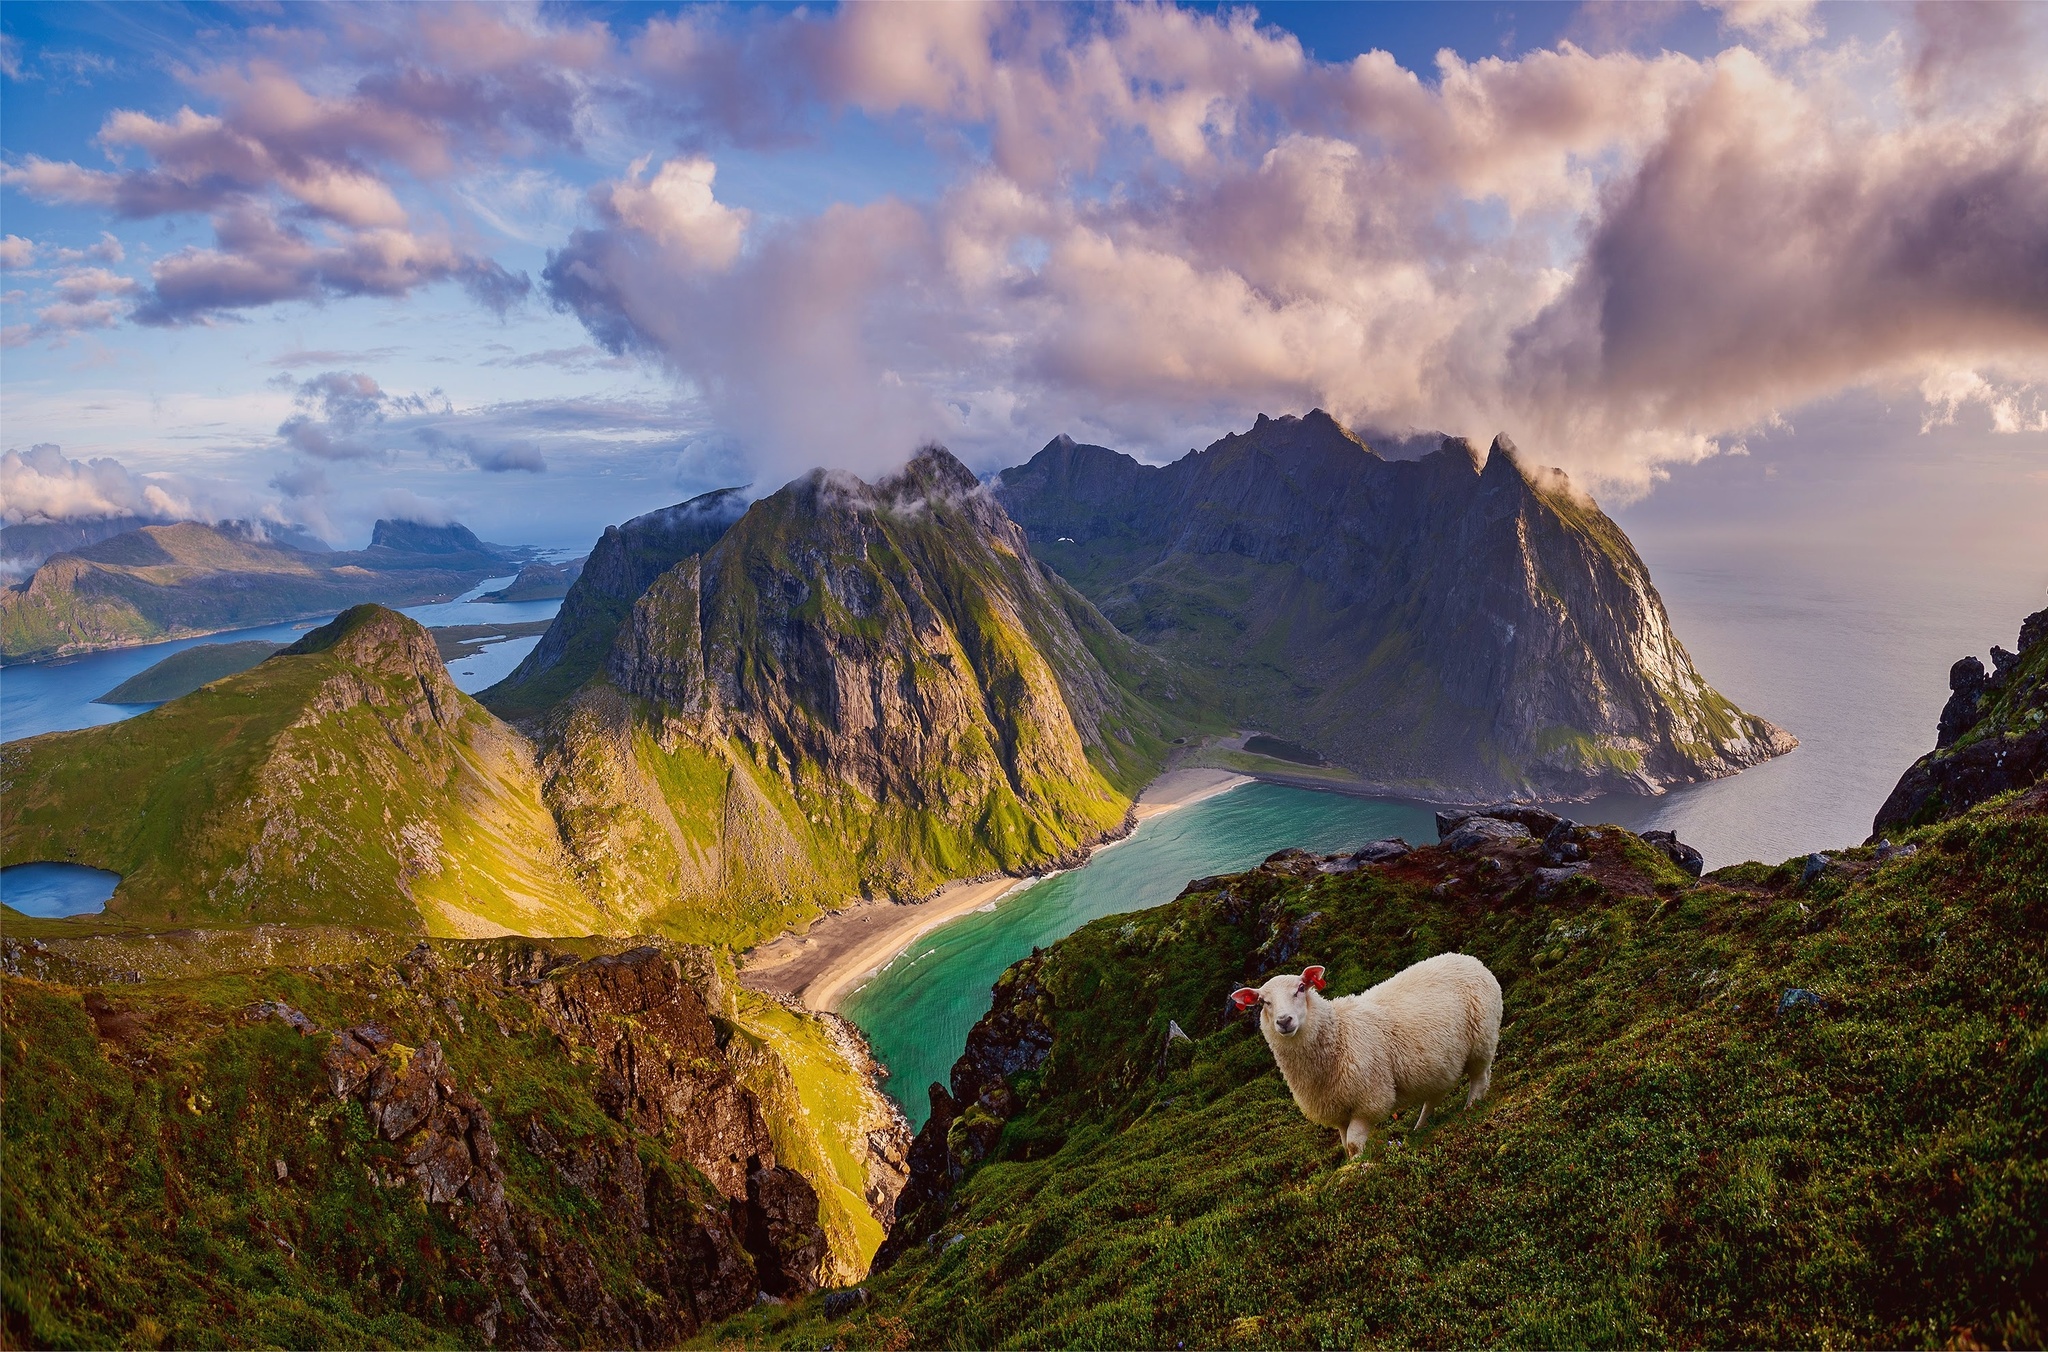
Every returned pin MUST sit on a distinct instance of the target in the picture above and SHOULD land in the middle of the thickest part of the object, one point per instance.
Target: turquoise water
(56, 889)
(916, 1012)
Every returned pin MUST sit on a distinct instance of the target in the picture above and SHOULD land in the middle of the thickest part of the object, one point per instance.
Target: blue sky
(543, 269)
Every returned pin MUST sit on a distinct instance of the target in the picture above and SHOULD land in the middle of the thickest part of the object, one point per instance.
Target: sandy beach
(844, 948)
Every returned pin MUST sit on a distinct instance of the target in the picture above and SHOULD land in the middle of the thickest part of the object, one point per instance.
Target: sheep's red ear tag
(1313, 977)
(1244, 997)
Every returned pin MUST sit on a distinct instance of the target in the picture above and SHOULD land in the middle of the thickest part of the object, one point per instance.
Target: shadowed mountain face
(1458, 625)
(162, 582)
(623, 564)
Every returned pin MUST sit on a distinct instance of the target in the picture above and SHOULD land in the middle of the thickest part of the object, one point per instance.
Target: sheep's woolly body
(1402, 1045)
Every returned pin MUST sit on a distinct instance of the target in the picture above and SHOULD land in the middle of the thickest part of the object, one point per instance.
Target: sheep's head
(1283, 1002)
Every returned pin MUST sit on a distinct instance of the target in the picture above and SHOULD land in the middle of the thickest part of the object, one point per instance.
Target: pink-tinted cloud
(1624, 260)
(42, 484)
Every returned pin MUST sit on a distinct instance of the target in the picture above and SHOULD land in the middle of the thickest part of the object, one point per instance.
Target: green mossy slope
(343, 781)
(1672, 1153)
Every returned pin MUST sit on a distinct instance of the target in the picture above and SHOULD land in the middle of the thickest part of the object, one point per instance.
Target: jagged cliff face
(1459, 626)
(345, 780)
(1992, 737)
(861, 688)
(506, 1143)
(623, 563)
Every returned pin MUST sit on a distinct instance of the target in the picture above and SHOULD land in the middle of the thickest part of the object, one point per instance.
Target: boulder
(1475, 831)
(1678, 852)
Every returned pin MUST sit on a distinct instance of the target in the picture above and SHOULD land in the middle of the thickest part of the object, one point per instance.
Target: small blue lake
(51, 890)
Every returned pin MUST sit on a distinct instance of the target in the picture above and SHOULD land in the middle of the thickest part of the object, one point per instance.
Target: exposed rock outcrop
(626, 559)
(645, 1021)
(965, 1122)
(1992, 737)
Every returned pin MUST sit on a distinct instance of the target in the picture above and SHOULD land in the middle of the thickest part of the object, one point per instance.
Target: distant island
(539, 582)
(175, 581)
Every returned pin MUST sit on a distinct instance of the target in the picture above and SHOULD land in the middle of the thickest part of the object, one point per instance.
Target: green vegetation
(343, 781)
(180, 1172)
(182, 673)
(1680, 1146)
(819, 1106)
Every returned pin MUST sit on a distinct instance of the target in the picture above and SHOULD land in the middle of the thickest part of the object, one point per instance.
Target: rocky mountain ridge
(874, 689)
(1992, 737)
(1457, 627)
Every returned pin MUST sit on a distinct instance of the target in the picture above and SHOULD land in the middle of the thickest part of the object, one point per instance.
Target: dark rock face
(708, 1255)
(1992, 737)
(415, 537)
(1960, 714)
(624, 563)
(1015, 1035)
(1423, 622)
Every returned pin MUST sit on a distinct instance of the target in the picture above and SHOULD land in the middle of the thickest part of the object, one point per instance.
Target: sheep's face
(1283, 1002)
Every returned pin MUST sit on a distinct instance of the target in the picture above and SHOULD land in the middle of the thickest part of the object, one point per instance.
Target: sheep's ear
(1244, 997)
(1312, 976)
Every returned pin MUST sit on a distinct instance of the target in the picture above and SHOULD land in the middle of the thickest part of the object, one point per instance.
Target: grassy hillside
(182, 1171)
(183, 672)
(343, 781)
(1781, 1106)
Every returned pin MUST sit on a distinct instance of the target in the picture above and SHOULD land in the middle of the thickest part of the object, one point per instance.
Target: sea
(57, 696)
(1851, 660)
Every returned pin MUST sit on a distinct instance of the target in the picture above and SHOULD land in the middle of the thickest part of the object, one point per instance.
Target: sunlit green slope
(345, 780)
(1786, 1106)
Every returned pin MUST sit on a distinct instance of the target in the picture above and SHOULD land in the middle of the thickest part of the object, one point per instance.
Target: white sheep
(1357, 1060)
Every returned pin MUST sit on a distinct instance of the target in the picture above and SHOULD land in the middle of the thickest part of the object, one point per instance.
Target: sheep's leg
(1421, 1117)
(1356, 1137)
(1480, 1070)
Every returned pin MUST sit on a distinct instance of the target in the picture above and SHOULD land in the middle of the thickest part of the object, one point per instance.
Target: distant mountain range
(160, 582)
(1461, 625)
(25, 545)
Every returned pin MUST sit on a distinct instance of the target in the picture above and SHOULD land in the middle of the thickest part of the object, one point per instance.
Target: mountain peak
(932, 469)
(419, 537)
(376, 637)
